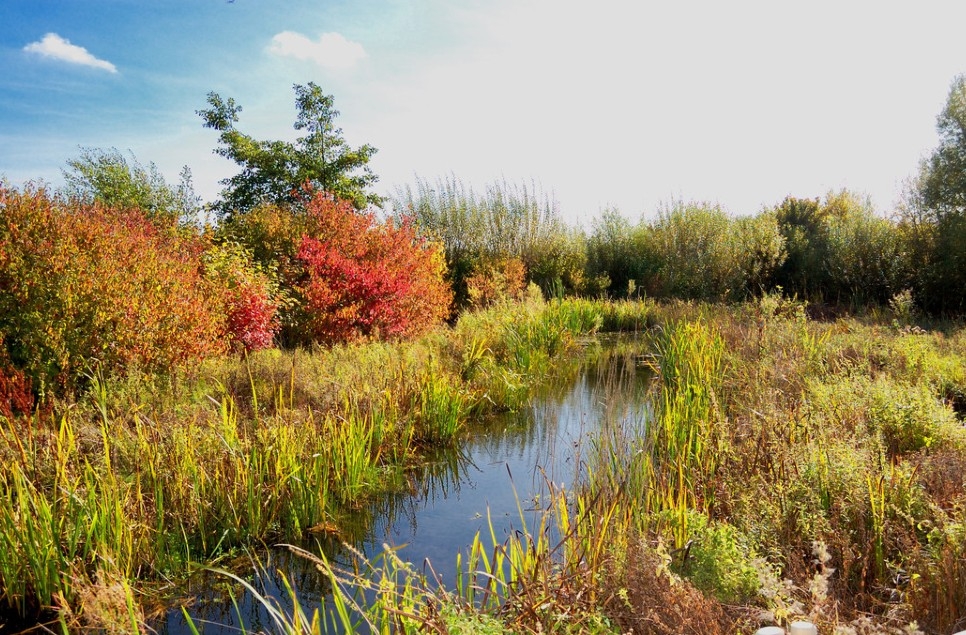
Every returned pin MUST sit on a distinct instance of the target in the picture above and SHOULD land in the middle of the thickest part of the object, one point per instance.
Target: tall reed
(146, 475)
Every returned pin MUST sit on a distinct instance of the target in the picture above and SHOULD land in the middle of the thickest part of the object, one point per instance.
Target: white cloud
(332, 50)
(56, 47)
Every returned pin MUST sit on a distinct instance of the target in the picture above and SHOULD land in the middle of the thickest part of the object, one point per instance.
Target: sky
(611, 104)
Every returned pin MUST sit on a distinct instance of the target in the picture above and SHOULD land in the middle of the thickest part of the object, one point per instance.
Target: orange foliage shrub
(271, 234)
(363, 278)
(84, 286)
(496, 281)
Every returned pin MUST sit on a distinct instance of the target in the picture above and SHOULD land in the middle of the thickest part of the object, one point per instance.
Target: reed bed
(146, 475)
(790, 469)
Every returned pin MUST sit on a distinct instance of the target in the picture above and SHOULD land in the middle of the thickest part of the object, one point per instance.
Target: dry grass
(106, 605)
(647, 598)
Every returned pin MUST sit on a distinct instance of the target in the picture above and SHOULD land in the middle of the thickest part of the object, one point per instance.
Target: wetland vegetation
(179, 393)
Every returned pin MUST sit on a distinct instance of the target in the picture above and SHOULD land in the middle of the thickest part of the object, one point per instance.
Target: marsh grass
(525, 583)
(58, 517)
(635, 316)
(787, 469)
(146, 475)
(769, 433)
(772, 433)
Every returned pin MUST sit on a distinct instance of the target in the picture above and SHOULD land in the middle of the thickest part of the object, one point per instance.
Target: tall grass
(146, 475)
(788, 469)
(769, 434)
(687, 440)
(527, 581)
(665, 469)
(770, 439)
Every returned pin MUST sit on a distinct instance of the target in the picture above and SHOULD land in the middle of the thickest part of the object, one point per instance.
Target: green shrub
(760, 251)
(697, 255)
(945, 274)
(506, 221)
(839, 250)
(469, 622)
(802, 223)
(906, 417)
(271, 233)
(865, 256)
(909, 418)
(617, 255)
(721, 561)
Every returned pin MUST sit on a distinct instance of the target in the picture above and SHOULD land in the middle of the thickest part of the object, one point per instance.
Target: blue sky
(605, 103)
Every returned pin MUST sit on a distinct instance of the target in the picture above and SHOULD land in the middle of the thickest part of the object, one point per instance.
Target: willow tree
(108, 177)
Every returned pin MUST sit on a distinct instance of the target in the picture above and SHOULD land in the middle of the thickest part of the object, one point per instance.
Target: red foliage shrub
(16, 394)
(367, 279)
(250, 298)
(84, 285)
(252, 322)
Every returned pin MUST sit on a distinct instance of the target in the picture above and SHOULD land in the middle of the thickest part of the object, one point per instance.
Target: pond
(501, 471)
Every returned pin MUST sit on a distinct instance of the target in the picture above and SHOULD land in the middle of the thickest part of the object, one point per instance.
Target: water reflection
(504, 466)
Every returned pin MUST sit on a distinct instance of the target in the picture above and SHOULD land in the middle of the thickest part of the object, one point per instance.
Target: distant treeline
(835, 249)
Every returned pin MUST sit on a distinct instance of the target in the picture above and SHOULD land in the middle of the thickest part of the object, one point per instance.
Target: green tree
(944, 175)
(941, 203)
(276, 171)
(108, 177)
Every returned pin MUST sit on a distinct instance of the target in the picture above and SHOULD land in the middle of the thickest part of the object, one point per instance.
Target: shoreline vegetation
(145, 475)
(181, 383)
(795, 468)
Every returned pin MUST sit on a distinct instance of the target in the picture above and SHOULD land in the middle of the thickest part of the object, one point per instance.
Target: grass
(126, 488)
(789, 468)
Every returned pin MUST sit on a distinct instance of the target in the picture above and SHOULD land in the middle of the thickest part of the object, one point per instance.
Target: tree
(278, 171)
(111, 179)
(941, 203)
(943, 183)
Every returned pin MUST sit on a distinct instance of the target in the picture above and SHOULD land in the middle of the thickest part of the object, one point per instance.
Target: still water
(502, 471)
